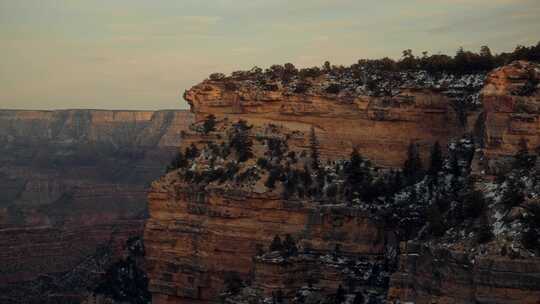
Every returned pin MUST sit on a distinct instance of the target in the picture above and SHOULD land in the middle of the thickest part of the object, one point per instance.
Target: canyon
(202, 236)
(73, 187)
(216, 228)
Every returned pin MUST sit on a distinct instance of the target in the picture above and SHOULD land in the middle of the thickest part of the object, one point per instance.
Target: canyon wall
(193, 239)
(438, 275)
(512, 109)
(73, 185)
(196, 237)
(381, 128)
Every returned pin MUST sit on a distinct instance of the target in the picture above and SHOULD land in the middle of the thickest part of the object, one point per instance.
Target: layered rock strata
(371, 124)
(71, 183)
(435, 275)
(195, 238)
(511, 102)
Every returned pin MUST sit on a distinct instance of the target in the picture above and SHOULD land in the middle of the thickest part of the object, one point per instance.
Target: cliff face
(371, 124)
(512, 107)
(72, 184)
(200, 232)
(428, 275)
(195, 238)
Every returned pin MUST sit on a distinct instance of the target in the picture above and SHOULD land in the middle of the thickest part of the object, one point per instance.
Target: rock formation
(73, 189)
(371, 124)
(512, 107)
(206, 233)
(440, 275)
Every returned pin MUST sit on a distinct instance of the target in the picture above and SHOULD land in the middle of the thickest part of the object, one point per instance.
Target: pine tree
(320, 178)
(290, 183)
(276, 244)
(486, 58)
(209, 124)
(233, 282)
(358, 298)
(473, 203)
(178, 162)
(531, 236)
(484, 233)
(314, 149)
(455, 169)
(273, 177)
(436, 159)
(192, 152)
(513, 195)
(240, 141)
(435, 221)
(289, 246)
(412, 168)
(340, 295)
(357, 175)
(523, 160)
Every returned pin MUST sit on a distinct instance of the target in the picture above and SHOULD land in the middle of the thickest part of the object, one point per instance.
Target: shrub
(233, 282)
(273, 177)
(231, 86)
(473, 204)
(217, 76)
(289, 246)
(178, 162)
(302, 87)
(436, 159)
(333, 88)
(412, 168)
(240, 142)
(209, 124)
(262, 163)
(276, 244)
(435, 221)
(484, 233)
(513, 195)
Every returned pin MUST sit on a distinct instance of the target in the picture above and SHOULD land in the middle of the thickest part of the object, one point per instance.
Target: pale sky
(134, 54)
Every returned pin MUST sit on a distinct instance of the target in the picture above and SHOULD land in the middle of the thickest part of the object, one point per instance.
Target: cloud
(140, 54)
(202, 20)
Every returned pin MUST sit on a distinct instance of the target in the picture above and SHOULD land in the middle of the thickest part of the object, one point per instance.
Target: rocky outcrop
(428, 275)
(72, 183)
(371, 124)
(511, 100)
(196, 236)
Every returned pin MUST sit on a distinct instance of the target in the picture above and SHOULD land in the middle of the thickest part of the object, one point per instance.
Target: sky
(142, 55)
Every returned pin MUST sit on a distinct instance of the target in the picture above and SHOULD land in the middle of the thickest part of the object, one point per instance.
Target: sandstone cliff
(511, 103)
(381, 127)
(73, 187)
(203, 227)
(428, 275)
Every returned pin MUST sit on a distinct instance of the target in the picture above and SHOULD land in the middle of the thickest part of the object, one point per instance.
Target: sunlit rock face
(196, 236)
(511, 101)
(380, 127)
(72, 190)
